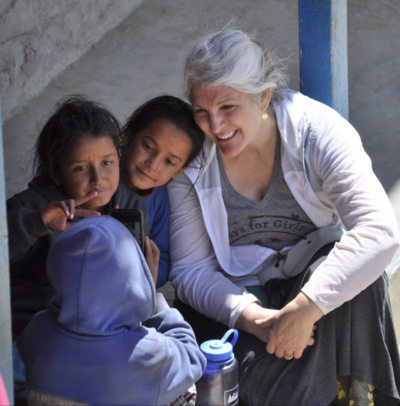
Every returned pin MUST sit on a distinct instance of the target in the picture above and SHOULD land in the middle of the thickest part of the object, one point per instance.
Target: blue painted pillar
(323, 52)
(5, 313)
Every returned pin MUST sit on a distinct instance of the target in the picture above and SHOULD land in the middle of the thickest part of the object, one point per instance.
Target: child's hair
(172, 109)
(75, 117)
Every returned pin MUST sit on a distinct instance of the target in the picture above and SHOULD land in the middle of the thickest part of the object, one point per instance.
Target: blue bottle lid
(220, 350)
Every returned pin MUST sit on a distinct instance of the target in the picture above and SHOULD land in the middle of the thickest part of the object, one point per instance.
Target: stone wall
(40, 38)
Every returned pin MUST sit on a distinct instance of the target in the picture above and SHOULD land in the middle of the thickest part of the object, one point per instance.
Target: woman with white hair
(283, 231)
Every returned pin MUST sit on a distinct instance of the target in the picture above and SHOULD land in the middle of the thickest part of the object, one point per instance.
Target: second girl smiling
(161, 139)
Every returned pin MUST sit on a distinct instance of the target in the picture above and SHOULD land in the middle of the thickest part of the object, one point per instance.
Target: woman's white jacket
(330, 176)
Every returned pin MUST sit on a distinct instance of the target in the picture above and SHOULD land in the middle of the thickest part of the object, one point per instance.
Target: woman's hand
(291, 329)
(247, 321)
(152, 257)
(56, 214)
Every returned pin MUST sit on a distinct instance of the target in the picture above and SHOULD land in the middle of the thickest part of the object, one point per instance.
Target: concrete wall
(40, 38)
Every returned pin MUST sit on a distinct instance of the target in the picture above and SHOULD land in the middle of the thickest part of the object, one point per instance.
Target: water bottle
(219, 384)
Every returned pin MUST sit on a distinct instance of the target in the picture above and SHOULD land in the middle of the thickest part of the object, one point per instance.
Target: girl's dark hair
(172, 109)
(74, 117)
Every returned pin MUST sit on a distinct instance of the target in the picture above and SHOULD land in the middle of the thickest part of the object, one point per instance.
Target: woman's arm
(346, 176)
(372, 237)
(194, 264)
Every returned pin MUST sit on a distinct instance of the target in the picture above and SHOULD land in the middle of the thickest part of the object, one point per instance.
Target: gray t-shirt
(275, 222)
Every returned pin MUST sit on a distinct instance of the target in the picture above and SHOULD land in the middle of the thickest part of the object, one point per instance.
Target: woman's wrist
(306, 307)
(302, 305)
(246, 321)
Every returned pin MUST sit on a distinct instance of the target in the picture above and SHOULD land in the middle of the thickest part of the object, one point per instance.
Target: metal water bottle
(219, 384)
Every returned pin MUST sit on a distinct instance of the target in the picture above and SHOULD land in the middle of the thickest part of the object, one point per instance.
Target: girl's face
(156, 155)
(231, 119)
(89, 165)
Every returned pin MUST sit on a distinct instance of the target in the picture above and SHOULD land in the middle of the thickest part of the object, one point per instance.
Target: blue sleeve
(183, 363)
(159, 230)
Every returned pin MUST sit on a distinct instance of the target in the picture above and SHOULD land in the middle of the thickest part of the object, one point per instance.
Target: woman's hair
(74, 117)
(169, 108)
(231, 57)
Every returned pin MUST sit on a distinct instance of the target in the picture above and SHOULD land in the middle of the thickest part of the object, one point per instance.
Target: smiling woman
(284, 233)
(229, 118)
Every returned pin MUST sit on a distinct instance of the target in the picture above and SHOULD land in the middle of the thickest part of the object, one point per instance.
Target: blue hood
(102, 288)
(88, 345)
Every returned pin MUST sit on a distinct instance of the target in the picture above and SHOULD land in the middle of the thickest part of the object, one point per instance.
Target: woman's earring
(264, 116)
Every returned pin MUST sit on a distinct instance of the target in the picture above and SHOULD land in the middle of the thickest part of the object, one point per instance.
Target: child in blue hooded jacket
(106, 338)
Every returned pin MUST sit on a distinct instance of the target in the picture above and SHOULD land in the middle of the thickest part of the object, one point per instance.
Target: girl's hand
(292, 328)
(152, 258)
(56, 214)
